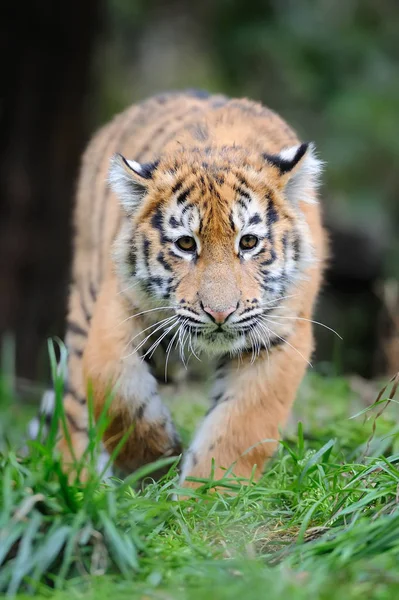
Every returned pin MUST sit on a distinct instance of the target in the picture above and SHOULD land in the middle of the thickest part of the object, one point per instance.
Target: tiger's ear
(300, 171)
(129, 180)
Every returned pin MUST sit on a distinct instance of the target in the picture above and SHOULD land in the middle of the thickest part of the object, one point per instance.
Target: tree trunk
(45, 58)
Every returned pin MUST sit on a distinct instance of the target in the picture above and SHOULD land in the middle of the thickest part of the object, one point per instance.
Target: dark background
(329, 68)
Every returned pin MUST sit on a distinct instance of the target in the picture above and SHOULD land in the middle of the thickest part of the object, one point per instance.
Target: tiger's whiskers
(160, 326)
(266, 328)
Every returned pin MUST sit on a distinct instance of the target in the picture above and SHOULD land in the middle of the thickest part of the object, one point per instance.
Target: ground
(323, 523)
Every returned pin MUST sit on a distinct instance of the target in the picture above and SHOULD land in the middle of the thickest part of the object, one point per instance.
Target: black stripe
(131, 259)
(270, 260)
(163, 262)
(213, 190)
(178, 185)
(174, 254)
(255, 219)
(272, 215)
(247, 310)
(284, 243)
(296, 247)
(147, 169)
(157, 223)
(74, 425)
(194, 320)
(242, 180)
(283, 165)
(246, 319)
(159, 281)
(221, 399)
(157, 220)
(85, 310)
(272, 343)
(276, 342)
(72, 392)
(173, 222)
(45, 418)
(76, 351)
(75, 328)
(231, 220)
(242, 193)
(139, 412)
(93, 291)
(146, 252)
(182, 197)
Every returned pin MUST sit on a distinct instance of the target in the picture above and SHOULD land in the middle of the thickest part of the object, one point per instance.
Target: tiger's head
(218, 235)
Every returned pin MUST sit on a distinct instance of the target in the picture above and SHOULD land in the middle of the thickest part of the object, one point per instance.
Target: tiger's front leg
(253, 402)
(112, 365)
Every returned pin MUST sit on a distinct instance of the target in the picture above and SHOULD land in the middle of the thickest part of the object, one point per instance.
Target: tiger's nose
(219, 316)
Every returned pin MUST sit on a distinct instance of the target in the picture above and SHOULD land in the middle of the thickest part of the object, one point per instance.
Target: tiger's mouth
(189, 333)
(217, 340)
(219, 334)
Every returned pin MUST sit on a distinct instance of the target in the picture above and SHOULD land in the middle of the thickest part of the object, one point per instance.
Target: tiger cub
(198, 231)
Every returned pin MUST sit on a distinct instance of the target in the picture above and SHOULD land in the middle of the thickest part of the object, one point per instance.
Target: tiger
(197, 232)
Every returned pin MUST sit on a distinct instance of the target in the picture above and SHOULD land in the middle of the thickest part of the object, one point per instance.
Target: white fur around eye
(242, 222)
(188, 256)
(187, 223)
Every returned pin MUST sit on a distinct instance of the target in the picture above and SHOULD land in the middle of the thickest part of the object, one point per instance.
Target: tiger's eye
(248, 242)
(186, 243)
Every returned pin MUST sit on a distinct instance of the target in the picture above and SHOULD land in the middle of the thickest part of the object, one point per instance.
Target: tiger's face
(219, 237)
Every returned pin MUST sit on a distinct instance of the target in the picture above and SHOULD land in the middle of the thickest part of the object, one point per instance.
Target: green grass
(323, 522)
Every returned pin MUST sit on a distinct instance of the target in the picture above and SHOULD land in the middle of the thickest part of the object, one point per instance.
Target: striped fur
(203, 167)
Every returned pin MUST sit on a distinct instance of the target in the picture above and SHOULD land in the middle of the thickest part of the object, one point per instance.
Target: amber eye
(186, 243)
(248, 242)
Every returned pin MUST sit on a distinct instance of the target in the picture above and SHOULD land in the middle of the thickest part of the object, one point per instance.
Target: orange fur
(210, 150)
